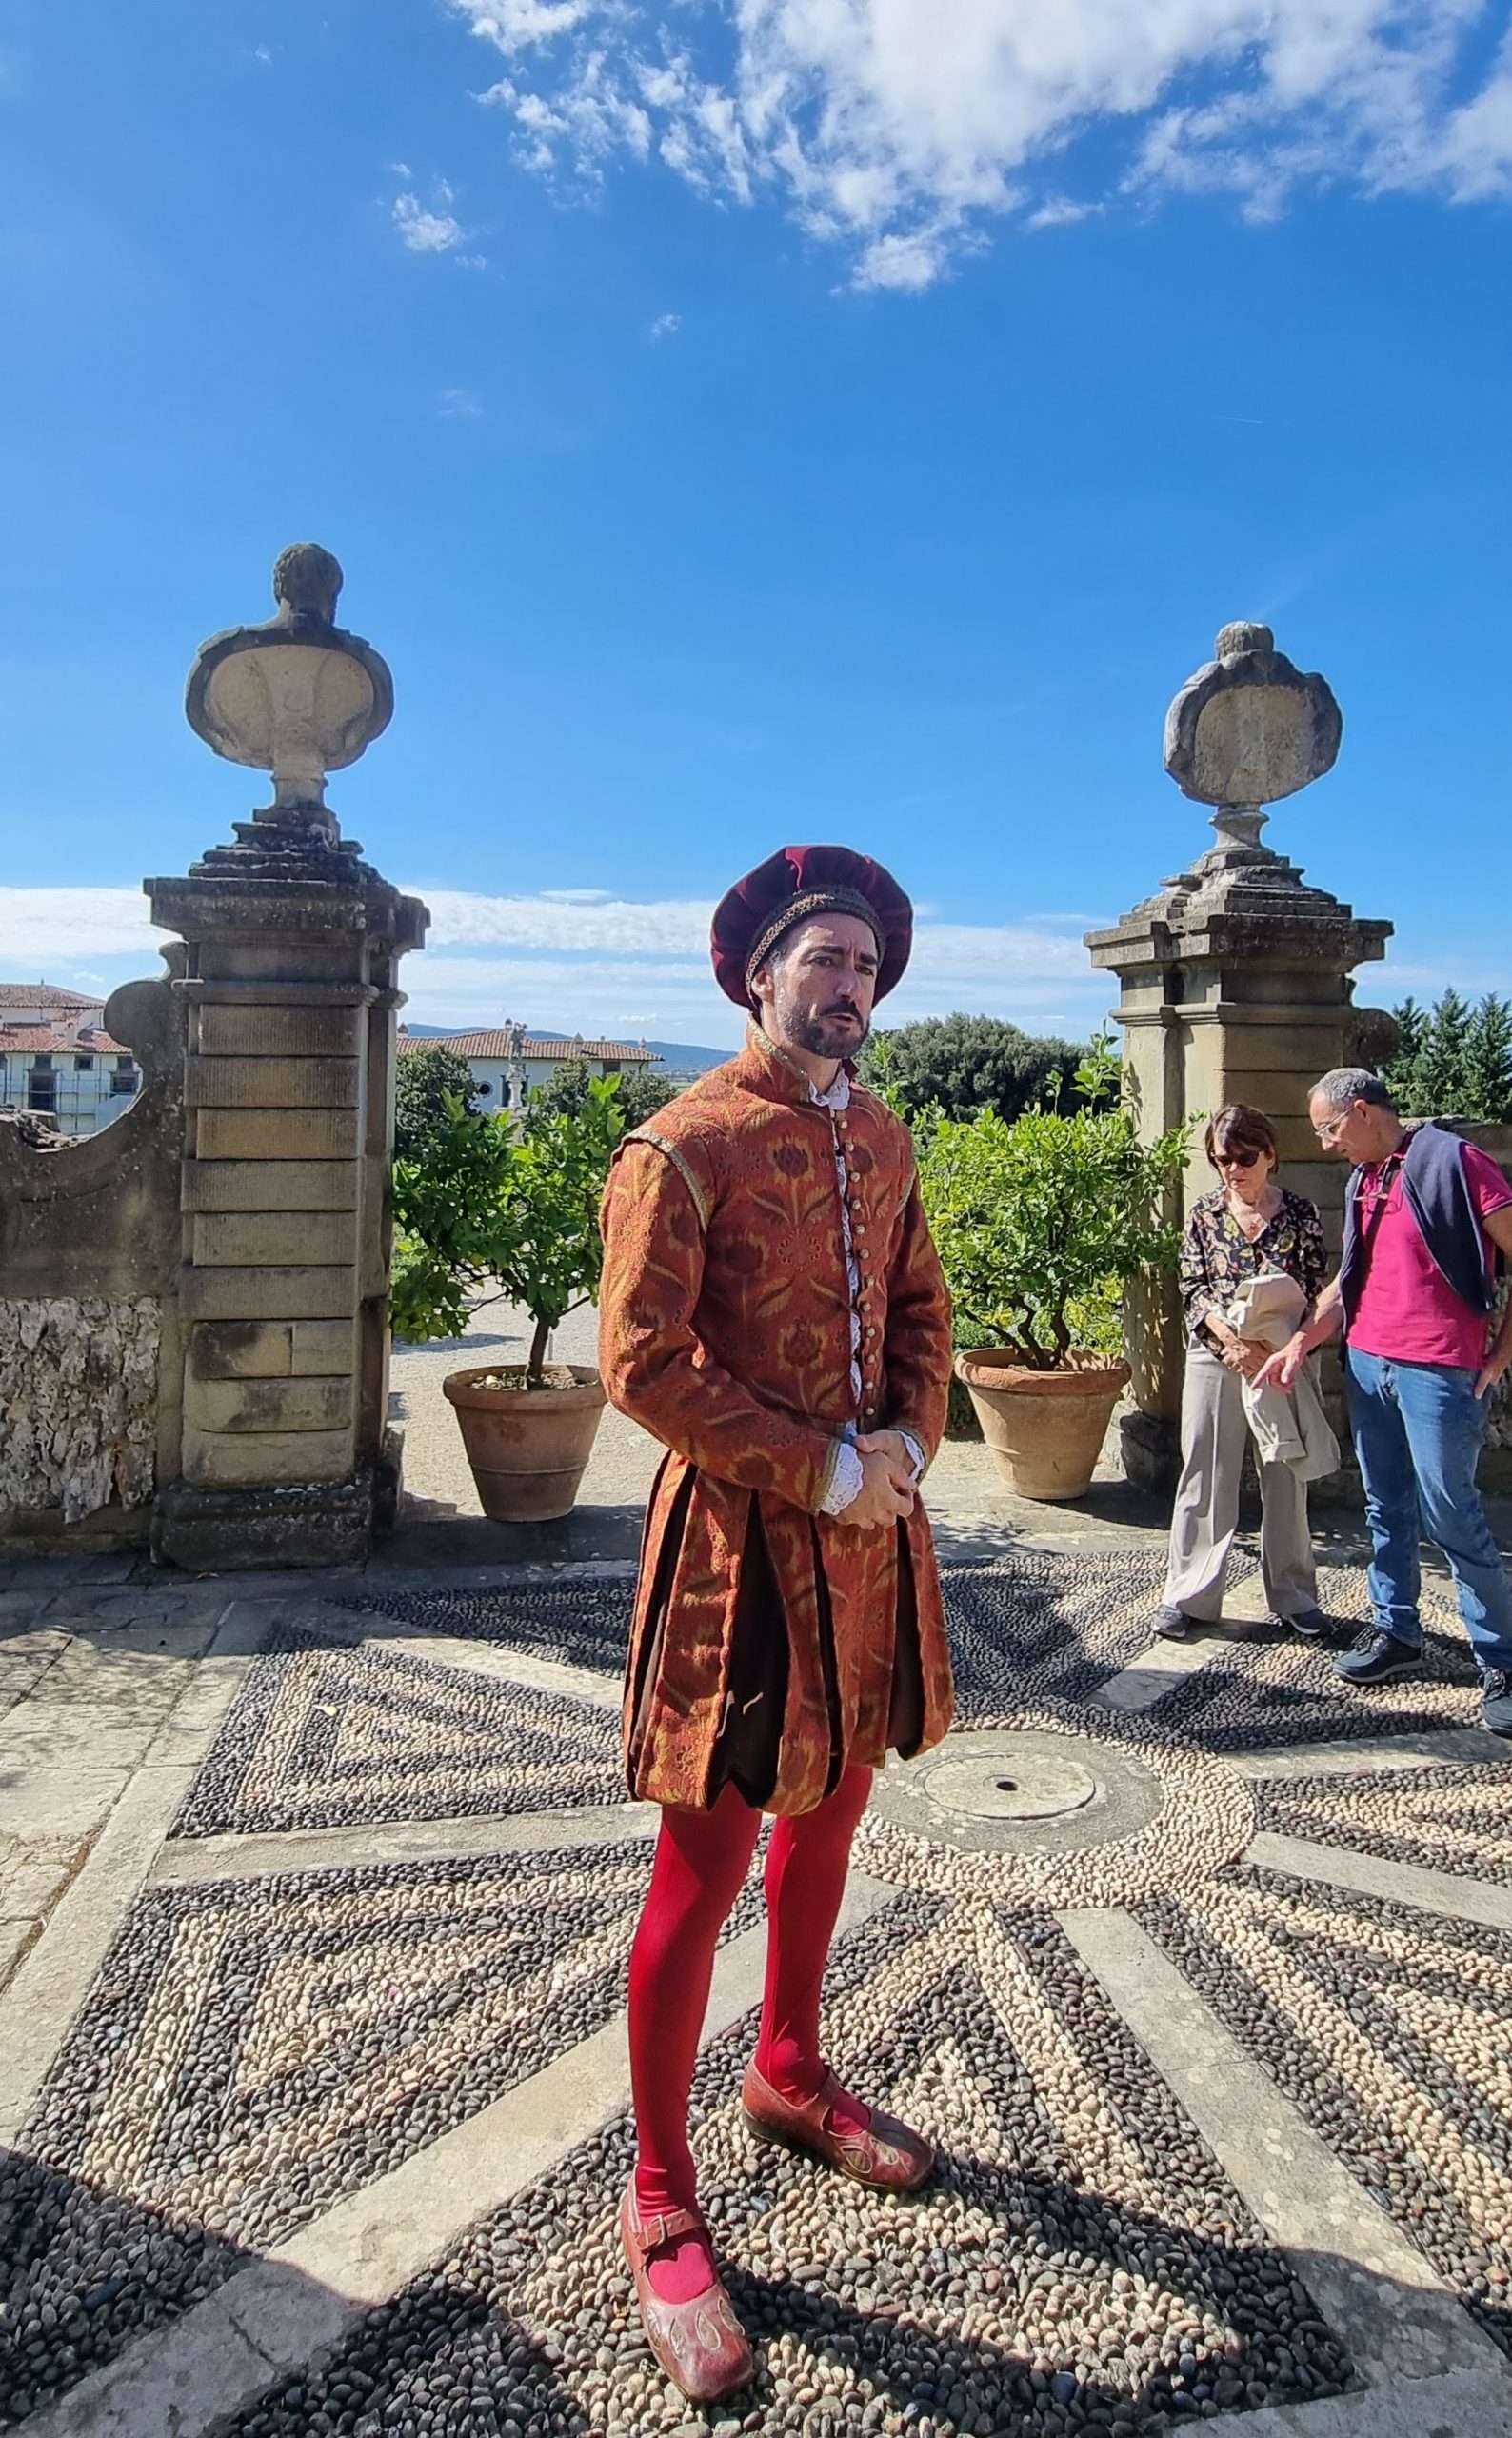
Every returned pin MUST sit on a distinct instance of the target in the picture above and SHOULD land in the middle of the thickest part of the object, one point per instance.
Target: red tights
(701, 1859)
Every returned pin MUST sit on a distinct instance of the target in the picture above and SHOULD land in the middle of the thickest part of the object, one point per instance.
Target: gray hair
(1342, 1086)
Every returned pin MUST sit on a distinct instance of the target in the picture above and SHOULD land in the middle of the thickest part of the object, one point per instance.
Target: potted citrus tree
(485, 1204)
(1040, 1225)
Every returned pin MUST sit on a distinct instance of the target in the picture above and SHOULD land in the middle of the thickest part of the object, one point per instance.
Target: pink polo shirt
(1408, 1311)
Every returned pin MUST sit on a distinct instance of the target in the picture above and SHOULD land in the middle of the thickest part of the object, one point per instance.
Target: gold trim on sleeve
(680, 1162)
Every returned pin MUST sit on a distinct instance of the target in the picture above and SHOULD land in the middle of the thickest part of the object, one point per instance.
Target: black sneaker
(1377, 1657)
(1495, 1701)
(1171, 1624)
(1308, 1625)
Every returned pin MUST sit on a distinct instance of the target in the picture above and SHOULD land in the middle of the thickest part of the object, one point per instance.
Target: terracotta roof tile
(64, 1041)
(501, 1045)
(43, 994)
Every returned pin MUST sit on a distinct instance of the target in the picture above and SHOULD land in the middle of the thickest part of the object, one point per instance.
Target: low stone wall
(78, 1405)
(90, 1237)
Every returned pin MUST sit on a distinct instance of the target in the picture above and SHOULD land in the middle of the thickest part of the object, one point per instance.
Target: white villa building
(509, 1063)
(57, 1059)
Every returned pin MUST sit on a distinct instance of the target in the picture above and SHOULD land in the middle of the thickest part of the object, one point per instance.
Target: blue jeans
(1418, 1429)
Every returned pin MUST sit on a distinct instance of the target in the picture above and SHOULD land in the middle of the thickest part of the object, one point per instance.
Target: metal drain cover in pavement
(1023, 1777)
(1003, 1790)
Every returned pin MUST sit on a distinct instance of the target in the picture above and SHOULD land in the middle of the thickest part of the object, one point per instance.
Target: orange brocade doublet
(772, 1644)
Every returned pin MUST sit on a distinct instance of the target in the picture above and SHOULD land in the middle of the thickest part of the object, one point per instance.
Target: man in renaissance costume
(772, 1310)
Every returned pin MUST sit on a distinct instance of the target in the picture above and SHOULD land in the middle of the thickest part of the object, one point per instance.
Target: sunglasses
(1235, 1159)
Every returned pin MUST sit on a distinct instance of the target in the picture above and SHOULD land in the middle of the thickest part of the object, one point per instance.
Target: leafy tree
(1452, 1059)
(1445, 1053)
(1041, 1222)
(640, 1092)
(448, 1194)
(1488, 1060)
(960, 1064)
(425, 1080)
(484, 1200)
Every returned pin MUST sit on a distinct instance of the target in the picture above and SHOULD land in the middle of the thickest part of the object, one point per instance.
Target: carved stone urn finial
(1248, 728)
(297, 696)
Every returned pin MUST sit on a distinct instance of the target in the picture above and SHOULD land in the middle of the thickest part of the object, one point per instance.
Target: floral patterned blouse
(1217, 1259)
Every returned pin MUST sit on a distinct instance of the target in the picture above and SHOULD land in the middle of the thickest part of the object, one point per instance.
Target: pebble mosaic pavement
(256, 2047)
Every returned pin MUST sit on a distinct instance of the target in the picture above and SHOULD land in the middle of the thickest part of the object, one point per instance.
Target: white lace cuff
(916, 1452)
(845, 1482)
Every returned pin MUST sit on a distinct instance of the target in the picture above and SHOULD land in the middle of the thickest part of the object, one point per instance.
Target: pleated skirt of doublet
(772, 1648)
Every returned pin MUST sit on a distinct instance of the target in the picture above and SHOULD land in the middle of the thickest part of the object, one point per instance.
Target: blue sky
(843, 420)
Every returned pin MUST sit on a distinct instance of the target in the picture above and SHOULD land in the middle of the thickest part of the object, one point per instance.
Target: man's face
(816, 995)
(1353, 1130)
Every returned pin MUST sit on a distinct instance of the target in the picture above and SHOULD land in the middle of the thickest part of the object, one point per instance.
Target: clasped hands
(1247, 1356)
(886, 1481)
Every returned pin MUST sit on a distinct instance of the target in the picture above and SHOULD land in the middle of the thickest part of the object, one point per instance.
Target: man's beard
(826, 1036)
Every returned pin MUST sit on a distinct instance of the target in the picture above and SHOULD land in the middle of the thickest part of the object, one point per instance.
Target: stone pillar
(1235, 977)
(291, 948)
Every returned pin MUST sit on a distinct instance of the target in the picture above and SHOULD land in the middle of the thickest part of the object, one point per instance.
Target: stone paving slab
(1465, 2404)
(1449, 1817)
(1364, 2270)
(1461, 1898)
(1382, 2025)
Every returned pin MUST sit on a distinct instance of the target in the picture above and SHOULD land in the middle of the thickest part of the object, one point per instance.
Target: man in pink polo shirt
(1427, 1217)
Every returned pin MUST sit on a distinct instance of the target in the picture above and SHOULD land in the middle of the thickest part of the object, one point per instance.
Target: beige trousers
(1214, 1435)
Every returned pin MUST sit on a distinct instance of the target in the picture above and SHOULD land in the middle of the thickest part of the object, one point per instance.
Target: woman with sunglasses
(1250, 1225)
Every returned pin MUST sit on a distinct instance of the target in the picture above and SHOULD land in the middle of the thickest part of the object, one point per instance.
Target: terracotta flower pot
(1046, 1429)
(527, 1447)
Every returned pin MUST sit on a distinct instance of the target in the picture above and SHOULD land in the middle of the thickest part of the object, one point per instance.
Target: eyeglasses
(1235, 1159)
(1335, 1127)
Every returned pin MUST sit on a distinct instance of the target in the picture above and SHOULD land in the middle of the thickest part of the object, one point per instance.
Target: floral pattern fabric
(1217, 1259)
(725, 1329)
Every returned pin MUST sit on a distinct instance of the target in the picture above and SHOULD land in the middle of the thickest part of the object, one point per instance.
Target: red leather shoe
(700, 2345)
(888, 2155)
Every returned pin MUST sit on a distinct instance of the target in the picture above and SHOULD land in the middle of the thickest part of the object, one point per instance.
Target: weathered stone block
(237, 1459)
(270, 1083)
(277, 1134)
(267, 1405)
(270, 1185)
(323, 1346)
(268, 1294)
(229, 1237)
(277, 1033)
(1293, 1043)
(78, 1403)
(323, 1523)
(1279, 1092)
(242, 1350)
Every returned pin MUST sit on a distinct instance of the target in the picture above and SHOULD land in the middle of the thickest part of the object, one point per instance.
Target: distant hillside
(687, 1057)
(682, 1057)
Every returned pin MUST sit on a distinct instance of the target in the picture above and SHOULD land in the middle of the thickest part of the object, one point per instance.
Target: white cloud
(1059, 212)
(40, 926)
(605, 927)
(666, 326)
(583, 957)
(515, 24)
(459, 405)
(900, 146)
(423, 231)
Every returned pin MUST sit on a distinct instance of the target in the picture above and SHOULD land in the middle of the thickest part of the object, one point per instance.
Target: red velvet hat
(797, 881)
